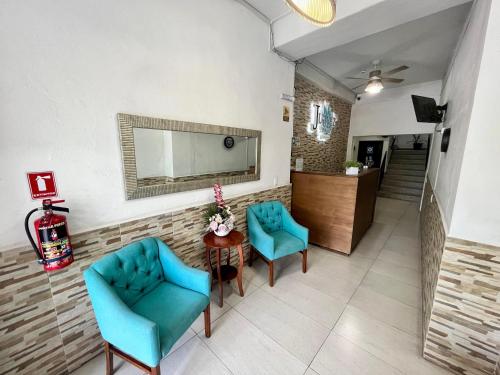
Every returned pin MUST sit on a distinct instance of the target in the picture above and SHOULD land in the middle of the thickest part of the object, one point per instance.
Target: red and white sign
(42, 184)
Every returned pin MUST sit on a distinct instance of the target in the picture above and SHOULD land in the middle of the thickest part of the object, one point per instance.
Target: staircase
(404, 178)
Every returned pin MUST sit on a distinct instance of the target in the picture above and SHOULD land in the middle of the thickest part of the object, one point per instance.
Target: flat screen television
(427, 110)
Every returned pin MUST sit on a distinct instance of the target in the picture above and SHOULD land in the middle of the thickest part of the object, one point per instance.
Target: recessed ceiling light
(318, 12)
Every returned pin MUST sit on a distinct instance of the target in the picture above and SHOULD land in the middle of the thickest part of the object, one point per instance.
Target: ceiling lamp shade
(318, 12)
(374, 86)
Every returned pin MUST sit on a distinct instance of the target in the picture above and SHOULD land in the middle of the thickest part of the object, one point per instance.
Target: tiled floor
(347, 315)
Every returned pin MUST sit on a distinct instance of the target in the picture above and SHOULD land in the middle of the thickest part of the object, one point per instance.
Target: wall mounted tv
(427, 110)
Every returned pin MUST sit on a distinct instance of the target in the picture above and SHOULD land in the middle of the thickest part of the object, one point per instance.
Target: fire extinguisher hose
(28, 233)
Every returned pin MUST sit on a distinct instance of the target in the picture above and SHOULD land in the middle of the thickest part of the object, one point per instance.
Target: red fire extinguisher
(54, 249)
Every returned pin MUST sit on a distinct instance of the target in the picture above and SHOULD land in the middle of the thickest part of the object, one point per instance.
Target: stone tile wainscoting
(46, 319)
(432, 237)
(326, 156)
(462, 330)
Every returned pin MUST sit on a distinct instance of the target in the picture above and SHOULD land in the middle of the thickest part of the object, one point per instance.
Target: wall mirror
(163, 156)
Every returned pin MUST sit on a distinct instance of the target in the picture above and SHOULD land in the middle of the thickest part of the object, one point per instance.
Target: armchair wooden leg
(304, 261)
(109, 358)
(250, 257)
(271, 273)
(155, 370)
(206, 313)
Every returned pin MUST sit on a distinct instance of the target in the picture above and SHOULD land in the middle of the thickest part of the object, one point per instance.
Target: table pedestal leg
(219, 276)
(240, 270)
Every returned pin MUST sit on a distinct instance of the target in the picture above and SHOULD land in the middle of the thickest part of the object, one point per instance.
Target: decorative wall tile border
(432, 236)
(31, 342)
(461, 299)
(46, 319)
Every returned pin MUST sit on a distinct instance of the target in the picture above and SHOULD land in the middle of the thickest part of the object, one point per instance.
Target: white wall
(390, 112)
(476, 215)
(67, 69)
(200, 153)
(153, 152)
(459, 89)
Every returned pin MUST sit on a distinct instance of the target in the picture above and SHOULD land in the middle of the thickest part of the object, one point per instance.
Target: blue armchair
(274, 234)
(144, 299)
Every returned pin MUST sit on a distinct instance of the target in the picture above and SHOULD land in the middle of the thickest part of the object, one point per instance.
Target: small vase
(352, 171)
(222, 233)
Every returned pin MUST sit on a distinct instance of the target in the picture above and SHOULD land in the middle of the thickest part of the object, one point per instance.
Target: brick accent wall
(326, 156)
(46, 319)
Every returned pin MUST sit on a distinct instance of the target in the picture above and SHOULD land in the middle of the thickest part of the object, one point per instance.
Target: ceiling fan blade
(393, 80)
(357, 87)
(366, 79)
(397, 70)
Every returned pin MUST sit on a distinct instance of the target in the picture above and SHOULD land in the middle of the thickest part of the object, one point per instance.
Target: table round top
(234, 238)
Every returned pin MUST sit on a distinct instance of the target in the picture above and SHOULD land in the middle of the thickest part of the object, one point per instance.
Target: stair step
(403, 178)
(404, 172)
(409, 151)
(402, 183)
(401, 190)
(398, 160)
(409, 156)
(402, 197)
(416, 167)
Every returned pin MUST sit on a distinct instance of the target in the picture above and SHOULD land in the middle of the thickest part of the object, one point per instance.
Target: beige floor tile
(398, 348)
(310, 371)
(404, 274)
(403, 244)
(297, 333)
(388, 310)
(246, 350)
(410, 259)
(307, 300)
(194, 357)
(404, 293)
(339, 356)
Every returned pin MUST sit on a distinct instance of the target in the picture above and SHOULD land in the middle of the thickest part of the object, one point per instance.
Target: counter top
(339, 173)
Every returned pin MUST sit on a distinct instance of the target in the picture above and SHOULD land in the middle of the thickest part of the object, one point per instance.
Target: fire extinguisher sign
(42, 185)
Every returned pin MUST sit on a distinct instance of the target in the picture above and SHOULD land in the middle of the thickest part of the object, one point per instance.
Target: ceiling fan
(376, 79)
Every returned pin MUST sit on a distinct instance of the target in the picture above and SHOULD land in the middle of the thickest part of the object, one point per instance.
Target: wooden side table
(225, 272)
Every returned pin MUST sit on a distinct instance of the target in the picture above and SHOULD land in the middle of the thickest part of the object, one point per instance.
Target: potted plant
(218, 215)
(417, 142)
(352, 167)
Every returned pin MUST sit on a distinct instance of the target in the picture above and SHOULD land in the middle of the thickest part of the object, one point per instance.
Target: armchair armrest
(120, 326)
(292, 227)
(176, 272)
(259, 239)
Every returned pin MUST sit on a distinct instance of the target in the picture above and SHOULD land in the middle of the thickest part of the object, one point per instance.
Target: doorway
(370, 153)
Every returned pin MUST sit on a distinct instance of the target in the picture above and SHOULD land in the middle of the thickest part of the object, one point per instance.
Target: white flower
(218, 219)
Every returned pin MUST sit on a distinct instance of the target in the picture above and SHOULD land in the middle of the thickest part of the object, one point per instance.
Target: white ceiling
(425, 45)
(272, 9)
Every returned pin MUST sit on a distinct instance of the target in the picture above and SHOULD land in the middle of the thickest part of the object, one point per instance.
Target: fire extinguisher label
(54, 240)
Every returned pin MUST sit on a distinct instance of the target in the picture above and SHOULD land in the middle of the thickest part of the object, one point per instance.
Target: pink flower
(213, 226)
(222, 228)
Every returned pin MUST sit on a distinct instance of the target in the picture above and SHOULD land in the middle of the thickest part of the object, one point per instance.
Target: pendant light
(318, 12)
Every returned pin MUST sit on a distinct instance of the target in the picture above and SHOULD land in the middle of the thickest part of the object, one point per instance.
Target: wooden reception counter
(338, 209)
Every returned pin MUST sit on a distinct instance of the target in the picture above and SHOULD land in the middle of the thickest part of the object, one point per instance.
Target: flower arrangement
(219, 216)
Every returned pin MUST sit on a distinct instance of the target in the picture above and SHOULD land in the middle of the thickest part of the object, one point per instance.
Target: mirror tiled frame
(126, 124)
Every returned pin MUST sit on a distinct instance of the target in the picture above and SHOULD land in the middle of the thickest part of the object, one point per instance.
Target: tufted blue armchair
(274, 234)
(144, 299)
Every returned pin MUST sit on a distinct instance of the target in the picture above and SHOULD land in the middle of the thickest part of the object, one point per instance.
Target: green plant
(416, 138)
(353, 164)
